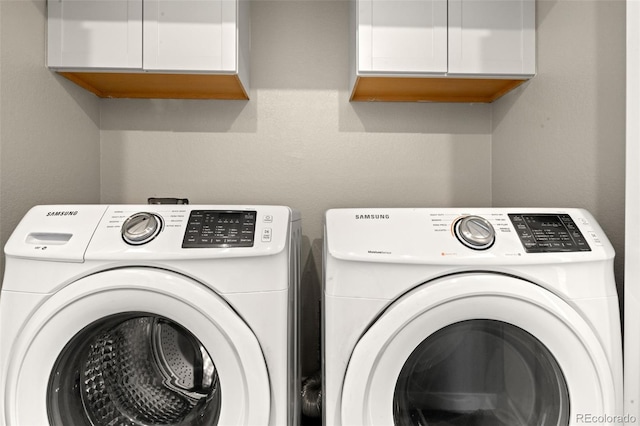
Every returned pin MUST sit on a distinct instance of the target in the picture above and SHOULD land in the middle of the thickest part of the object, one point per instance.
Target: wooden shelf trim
(161, 86)
(425, 89)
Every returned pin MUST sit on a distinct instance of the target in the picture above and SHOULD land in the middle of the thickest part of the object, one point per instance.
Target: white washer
(151, 314)
(469, 316)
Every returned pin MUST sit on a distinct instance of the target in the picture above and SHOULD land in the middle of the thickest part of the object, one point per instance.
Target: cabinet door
(402, 36)
(94, 33)
(494, 37)
(190, 35)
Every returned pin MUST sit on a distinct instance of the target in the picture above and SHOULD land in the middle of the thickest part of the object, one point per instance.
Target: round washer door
(477, 349)
(137, 346)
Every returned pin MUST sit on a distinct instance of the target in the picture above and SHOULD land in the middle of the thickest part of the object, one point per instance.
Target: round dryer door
(137, 347)
(476, 349)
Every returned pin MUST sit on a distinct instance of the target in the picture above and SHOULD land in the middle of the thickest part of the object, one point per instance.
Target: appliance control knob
(475, 232)
(141, 228)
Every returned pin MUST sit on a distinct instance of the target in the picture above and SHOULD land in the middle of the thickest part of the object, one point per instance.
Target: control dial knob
(475, 232)
(141, 228)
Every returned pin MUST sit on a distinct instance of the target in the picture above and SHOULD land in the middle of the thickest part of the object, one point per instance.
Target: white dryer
(469, 317)
(150, 315)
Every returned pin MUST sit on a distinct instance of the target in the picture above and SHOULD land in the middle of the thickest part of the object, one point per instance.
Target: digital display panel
(215, 228)
(548, 233)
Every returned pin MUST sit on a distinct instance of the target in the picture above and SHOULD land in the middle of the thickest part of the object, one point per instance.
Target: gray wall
(298, 141)
(560, 141)
(49, 128)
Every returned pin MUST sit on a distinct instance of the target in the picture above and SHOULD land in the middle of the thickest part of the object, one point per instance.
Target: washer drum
(140, 371)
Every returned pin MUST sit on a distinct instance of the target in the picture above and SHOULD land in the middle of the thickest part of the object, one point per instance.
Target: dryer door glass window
(134, 369)
(481, 372)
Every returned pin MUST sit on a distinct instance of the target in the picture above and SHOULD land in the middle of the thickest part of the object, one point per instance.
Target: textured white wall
(49, 134)
(560, 140)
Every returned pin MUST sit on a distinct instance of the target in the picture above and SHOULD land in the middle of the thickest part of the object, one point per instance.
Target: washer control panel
(548, 233)
(220, 228)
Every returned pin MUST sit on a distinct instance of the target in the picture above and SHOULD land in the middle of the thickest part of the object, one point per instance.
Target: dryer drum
(481, 372)
(139, 371)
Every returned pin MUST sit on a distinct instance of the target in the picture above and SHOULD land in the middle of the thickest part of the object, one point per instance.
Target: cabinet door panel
(95, 33)
(492, 37)
(190, 35)
(403, 36)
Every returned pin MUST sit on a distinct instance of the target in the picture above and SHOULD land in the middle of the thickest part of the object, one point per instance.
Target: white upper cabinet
(488, 46)
(492, 37)
(88, 39)
(193, 35)
(402, 36)
(94, 34)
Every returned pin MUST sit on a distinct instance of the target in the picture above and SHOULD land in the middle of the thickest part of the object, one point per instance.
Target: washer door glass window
(481, 372)
(134, 369)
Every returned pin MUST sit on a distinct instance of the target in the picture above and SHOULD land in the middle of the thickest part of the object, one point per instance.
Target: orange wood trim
(424, 89)
(161, 86)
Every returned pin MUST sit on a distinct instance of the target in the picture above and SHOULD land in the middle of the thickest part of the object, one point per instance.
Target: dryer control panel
(465, 236)
(548, 233)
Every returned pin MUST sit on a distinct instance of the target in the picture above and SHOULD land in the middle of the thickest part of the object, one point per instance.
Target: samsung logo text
(372, 217)
(63, 213)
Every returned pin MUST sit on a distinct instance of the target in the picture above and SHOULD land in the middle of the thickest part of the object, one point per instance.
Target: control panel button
(266, 235)
(475, 232)
(141, 228)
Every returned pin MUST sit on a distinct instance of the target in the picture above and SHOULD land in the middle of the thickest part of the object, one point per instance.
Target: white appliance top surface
(75, 233)
(429, 236)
